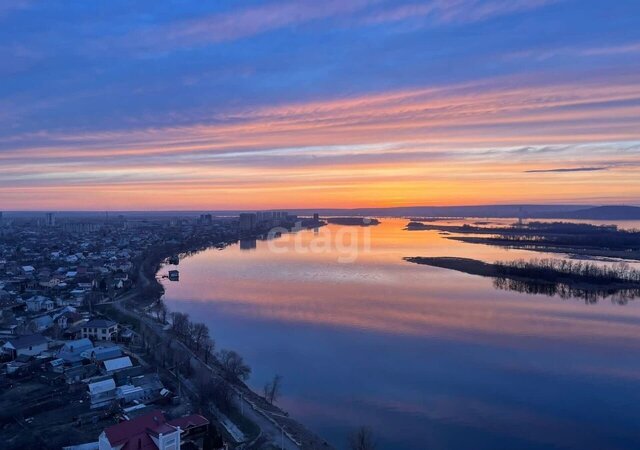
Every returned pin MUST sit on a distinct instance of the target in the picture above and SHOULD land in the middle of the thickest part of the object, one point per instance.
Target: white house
(39, 303)
(30, 345)
(100, 329)
(102, 393)
(150, 431)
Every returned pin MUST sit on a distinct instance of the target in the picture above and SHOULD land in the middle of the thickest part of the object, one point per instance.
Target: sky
(196, 105)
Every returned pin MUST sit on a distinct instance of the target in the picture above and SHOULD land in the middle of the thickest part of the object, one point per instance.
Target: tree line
(551, 269)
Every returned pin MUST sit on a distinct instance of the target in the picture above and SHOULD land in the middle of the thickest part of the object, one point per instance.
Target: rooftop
(27, 341)
(99, 323)
(136, 430)
(117, 363)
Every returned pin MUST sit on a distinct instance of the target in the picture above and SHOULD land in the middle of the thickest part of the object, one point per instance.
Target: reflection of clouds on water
(424, 355)
(404, 311)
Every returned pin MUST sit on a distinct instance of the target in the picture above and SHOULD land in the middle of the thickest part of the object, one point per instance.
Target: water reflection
(248, 244)
(617, 296)
(428, 357)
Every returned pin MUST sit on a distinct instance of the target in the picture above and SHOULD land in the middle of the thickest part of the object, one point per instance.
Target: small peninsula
(578, 275)
(354, 221)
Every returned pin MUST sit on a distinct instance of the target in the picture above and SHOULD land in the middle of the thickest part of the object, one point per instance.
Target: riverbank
(148, 292)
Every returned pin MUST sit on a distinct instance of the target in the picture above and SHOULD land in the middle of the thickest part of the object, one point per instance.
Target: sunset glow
(183, 110)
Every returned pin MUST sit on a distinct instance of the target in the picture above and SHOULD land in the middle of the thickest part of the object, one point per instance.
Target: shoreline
(149, 291)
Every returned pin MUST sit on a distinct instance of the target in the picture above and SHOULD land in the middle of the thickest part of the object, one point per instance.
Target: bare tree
(234, 365)
(272, 389)
(208, 346)
(362, 439)
(161, 311)
(200, 333)
(180, 323)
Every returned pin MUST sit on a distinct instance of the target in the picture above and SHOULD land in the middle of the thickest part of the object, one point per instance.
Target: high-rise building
(50, 219)
(205, 219)
(247, 221)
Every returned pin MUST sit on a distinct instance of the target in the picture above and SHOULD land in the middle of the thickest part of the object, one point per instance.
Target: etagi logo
(347, 242)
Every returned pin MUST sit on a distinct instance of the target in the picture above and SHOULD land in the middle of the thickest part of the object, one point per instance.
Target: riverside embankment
(272, 421)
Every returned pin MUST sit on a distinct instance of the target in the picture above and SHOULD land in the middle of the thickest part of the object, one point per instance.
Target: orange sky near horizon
(489, 142)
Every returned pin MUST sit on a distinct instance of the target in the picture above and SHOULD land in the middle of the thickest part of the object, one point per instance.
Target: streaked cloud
(568, 169)
(336, 103)
(241, 23)
(455, 11)
(250, 21)
(542, 54)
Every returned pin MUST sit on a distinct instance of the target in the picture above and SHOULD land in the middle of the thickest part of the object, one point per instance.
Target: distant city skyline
(301, 104)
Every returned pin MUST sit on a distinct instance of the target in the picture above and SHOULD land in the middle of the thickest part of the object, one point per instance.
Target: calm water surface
(429, 358)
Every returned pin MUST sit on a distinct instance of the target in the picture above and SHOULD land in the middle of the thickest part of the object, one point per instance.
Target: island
(598, 241)
(578, 278)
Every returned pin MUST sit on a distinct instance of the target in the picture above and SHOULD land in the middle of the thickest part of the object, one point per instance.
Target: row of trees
(197, 337)
(194, 334)
(551, 269)
(573, 235)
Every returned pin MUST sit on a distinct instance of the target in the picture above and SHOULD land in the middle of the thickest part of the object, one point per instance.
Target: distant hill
(600, 213)
(484, 211)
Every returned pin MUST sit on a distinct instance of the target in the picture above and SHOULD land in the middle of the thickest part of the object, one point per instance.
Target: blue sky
(121, 93)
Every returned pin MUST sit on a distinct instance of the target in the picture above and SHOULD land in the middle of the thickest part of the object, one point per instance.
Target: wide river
(428, 358)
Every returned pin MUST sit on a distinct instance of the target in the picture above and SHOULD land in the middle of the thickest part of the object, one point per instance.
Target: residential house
(100, 330)
(40, 323)
(49, 283)
(74, 331)
(116, 364)
(150, 384)
(128, 393)
(30, 345)
(39, 303)
(9, 327)
(21, 365)
(72, 351)
(151, 431)
(102, 393)
(103, 353)
(28, 270)
(68, 319)
(77, 373)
